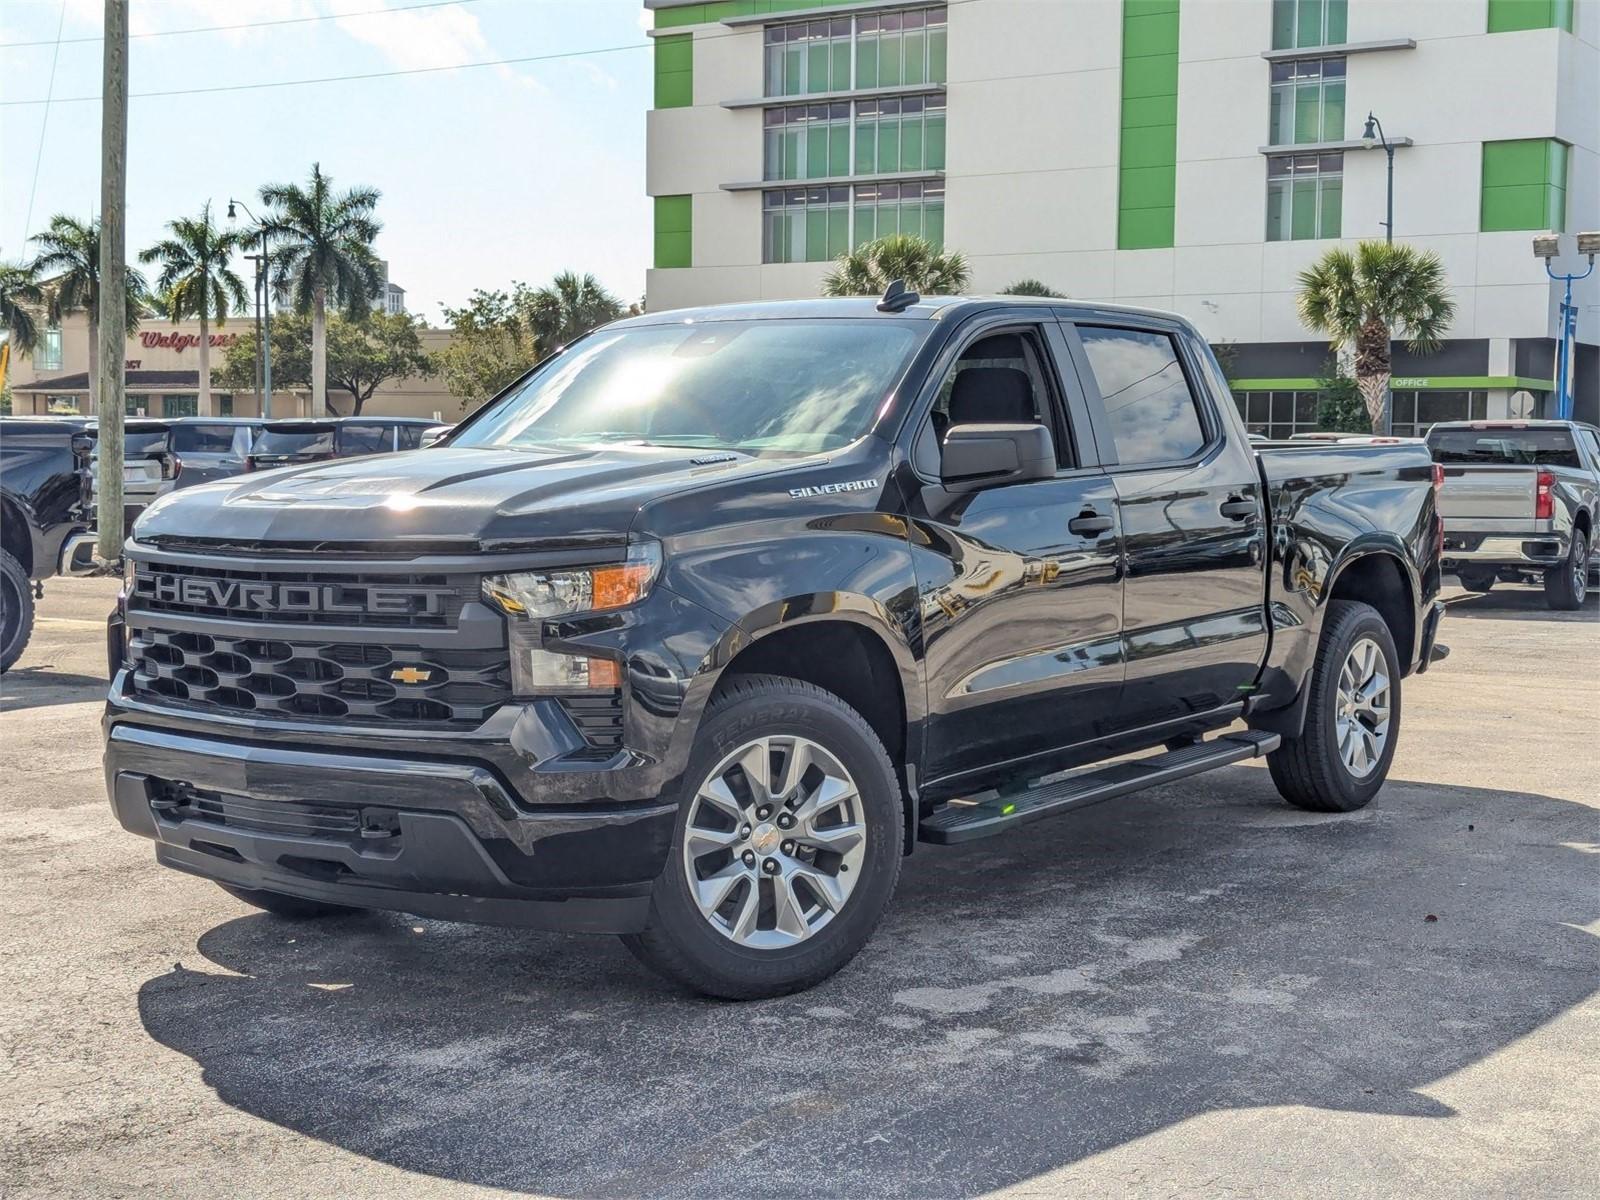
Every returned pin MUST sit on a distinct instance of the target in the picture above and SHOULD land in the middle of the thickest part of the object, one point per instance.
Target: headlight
(530, 597)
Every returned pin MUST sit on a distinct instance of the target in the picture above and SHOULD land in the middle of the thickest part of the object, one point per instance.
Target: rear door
(1019, 586)
(1193, 522)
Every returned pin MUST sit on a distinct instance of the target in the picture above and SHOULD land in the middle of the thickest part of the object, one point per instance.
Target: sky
(489, 175)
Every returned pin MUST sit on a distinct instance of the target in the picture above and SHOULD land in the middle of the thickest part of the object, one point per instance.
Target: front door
(1193, 522)
(1019, 586)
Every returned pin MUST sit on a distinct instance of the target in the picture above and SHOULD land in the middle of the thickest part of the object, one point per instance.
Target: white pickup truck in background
(1520, 503)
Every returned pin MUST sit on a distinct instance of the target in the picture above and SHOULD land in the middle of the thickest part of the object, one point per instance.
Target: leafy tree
(1340, 408)
(1362, 298)
(21, 300)
(196, 281)
(497, 336)
(1032, 287)
(361, 355)
(320, 252)
(68, 269)
(872, 266)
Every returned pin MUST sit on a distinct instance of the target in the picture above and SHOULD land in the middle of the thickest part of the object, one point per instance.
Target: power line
(363, 12)
(44, 123)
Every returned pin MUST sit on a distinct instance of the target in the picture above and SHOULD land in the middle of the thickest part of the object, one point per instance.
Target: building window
(807, 141)
(47, 354)
(1305, 193)
(899, 48)
(1524, 185)
(871, 50)
(805, 224)
(1298, 23)
(1417, 412)
(1279, 415)
(882, 209)
(180, 406)
(905, 134)
(1307, 102)
(1508, 16)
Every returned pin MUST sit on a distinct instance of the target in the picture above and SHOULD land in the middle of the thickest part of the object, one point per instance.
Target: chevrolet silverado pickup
(697, 628)
(1520, 502)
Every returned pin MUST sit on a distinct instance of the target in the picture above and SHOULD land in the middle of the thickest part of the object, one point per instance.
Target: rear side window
(1504, 446)
(203, 439)
(410, 436)
(1148, 404)
(365, 439)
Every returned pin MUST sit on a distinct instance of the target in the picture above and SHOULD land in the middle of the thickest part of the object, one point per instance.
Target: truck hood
(444, 494)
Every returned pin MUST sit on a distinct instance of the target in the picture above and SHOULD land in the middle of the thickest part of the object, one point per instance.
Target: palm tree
(567, 308)
(321, 252)
(1032, 287)
(196, 280)
(68, 268)
(872, 266)
(1362, 298)
(20, 298)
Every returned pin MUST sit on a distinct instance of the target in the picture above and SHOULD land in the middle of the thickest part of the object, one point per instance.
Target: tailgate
(1488, 493)
(141, 479)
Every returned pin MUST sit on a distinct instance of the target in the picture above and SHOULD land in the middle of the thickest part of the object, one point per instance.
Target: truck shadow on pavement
(1028, 1002)
(1511, 600)
(42, 687)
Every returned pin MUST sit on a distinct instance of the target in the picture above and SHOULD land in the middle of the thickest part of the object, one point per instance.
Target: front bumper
(443, 839)
(1532, 550)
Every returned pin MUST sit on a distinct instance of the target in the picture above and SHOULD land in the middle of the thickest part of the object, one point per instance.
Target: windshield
(776, 386)
(294, 441)
(204, 439)
(1504, 446)
(141, 443)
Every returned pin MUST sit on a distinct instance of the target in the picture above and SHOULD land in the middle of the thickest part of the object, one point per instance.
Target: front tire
(291, 908)
(787, 846)
(16, 610)
(1343, 753)
(1566, 585)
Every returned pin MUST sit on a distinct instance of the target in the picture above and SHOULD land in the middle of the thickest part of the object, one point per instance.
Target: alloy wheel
(1361, 718)
(774, 842)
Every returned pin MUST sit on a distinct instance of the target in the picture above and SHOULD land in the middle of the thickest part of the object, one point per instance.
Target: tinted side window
(410, 436)
(202, 439)
(1148, 404)
(364, 439)
(1593, 443)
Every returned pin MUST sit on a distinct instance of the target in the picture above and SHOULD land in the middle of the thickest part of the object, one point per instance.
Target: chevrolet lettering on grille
(267, 597)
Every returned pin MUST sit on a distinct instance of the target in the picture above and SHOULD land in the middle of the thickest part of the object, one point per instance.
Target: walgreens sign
(179, 342)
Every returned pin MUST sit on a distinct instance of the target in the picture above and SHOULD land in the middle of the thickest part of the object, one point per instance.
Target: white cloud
(430, 37)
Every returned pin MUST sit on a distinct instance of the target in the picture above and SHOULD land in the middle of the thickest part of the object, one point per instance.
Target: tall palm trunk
(204, 406)
(319, 352)
(1372, 371)
(94, 364)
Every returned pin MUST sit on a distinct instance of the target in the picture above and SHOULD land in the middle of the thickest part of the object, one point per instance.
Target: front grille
(279, 817)
(354, 682)
(347, 598)
(599, 719)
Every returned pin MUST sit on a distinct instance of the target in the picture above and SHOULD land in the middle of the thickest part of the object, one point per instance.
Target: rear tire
(1565, 586)
(16, 610)
(1315, 770)
(759, 905)
(291, 908)
(1480, 580)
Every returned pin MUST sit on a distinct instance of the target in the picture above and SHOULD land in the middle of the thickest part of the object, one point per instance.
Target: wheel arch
(15, 539)
(1377, 575)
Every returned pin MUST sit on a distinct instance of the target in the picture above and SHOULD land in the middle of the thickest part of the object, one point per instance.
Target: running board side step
(963, 822)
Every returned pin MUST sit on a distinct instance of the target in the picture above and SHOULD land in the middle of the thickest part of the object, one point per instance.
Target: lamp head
(232, 216)
(1369, 135)
(1589, 243)
(1546, 245)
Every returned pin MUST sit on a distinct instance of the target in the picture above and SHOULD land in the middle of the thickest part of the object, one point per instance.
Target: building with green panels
(1186, 154)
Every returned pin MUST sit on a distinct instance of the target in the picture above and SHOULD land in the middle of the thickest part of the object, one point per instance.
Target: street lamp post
(260, 266)
(1547, 246)
(1371, 137)
(264, 308)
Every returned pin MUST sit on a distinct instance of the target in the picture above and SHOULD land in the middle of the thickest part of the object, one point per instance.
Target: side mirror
(980, 456)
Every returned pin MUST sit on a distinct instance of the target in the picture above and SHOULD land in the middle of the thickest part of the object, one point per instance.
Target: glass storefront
(1417, 412)
(1278, 415)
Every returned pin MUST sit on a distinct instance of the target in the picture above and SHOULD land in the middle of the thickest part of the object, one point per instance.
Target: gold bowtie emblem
(410, 675)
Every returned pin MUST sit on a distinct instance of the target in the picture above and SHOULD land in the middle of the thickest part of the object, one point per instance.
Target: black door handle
(1237, 509)
(1089, 521)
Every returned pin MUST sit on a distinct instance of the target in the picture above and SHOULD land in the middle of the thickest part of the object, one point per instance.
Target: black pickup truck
(697, 628)
(44, 485)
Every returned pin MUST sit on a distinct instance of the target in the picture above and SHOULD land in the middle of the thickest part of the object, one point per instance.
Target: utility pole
(113, 274)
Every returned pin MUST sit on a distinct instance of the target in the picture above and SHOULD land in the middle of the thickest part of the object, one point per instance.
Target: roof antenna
(897, 297)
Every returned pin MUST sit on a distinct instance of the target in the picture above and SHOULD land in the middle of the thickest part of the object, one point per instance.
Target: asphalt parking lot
(1196, 991)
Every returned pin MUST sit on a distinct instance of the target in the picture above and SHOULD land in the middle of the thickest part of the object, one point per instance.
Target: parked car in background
(289, 443)
(211, 448)
(43, 525)
(150, 465)
(1520, 503)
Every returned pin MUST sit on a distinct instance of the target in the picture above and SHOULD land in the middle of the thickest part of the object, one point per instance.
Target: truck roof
(928, 308)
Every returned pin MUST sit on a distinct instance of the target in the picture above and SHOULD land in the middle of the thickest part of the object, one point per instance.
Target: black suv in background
(700, 625)
(290, 442)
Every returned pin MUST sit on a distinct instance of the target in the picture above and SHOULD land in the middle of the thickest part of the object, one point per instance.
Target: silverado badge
(410, 675)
